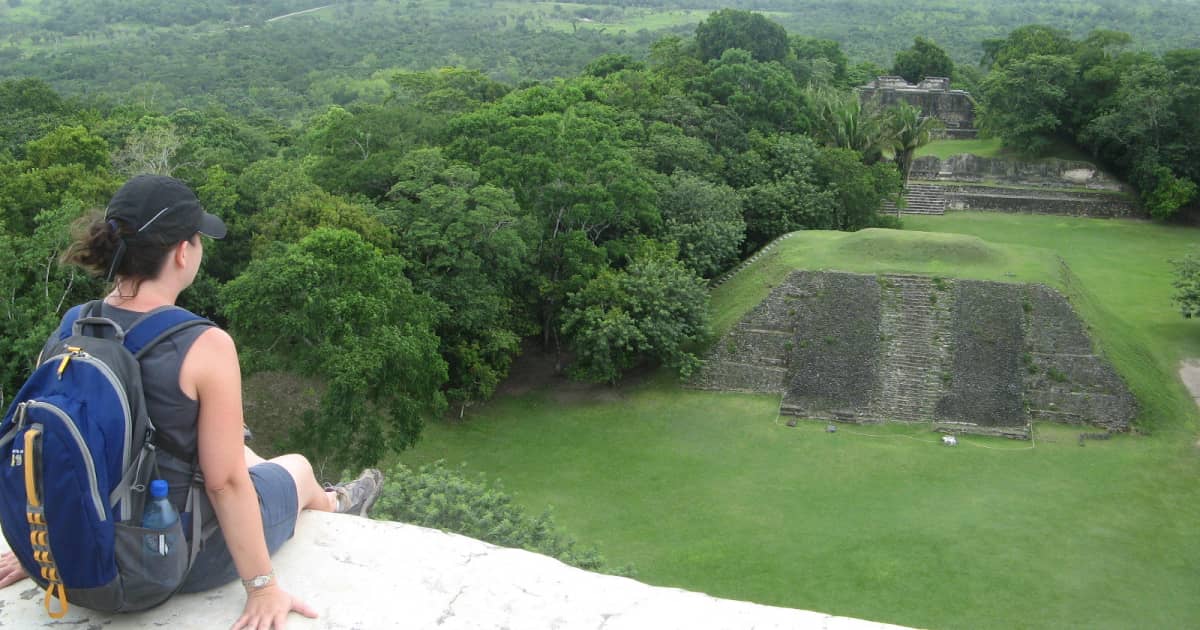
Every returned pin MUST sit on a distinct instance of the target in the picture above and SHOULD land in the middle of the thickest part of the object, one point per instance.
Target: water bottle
(161, 515)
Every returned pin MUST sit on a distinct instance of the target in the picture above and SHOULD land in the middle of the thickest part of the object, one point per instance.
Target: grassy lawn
(943, 149)
(711, 492)
(990, 147)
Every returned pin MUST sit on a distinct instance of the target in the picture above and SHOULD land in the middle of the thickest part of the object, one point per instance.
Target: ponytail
(100, 247)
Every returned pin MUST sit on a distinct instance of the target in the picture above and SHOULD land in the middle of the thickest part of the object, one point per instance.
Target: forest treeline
(401, 250)
(1137, 113)
(196, 53)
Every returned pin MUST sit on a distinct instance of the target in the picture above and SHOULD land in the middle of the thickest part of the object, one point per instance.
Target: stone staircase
(915, 331)
(921, 198)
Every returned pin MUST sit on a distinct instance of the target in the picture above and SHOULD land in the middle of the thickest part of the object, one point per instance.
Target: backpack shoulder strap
(157, 325)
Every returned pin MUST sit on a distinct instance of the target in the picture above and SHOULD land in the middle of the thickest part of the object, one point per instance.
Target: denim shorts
(279, 506)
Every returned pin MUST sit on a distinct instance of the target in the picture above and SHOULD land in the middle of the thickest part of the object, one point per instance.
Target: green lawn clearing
(943, 149)
(991, 147)
(711, 492)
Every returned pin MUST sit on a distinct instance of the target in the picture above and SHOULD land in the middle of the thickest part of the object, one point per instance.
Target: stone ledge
(359, 573)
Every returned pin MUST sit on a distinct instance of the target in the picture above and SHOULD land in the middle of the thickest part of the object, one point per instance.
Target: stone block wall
(834, 359)
(1064, 379)
(753, 356)
(1082, 204)
(1051, 172)
(932, 96)
(984, 383)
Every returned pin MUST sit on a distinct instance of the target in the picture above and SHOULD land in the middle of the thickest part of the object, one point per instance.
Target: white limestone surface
(363, 574)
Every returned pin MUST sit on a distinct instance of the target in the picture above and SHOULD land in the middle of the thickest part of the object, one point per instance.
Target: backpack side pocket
(153, 563)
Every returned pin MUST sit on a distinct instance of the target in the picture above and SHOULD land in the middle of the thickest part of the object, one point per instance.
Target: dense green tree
(1140, 131)
(69, 162)
(923, 59)
(857, 190)
(1025, 103)
(704, 219)
(571, 164)
(733, 28)
(335, 307)
(352, 152)
(668, 149)
(1161, 190)
(764, 95)
(779, 188)
(214, 137)
(675, 59)
(281, 204)
(31, 109)
(611, 63)
(818, 62)
(445, 91)
(68, 145)
(468, 241)
(1025, 42)
(651, 311)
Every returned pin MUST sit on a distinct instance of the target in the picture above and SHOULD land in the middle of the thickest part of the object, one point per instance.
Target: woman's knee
(297, 465)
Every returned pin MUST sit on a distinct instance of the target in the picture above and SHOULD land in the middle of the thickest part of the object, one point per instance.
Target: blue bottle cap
(158, 488)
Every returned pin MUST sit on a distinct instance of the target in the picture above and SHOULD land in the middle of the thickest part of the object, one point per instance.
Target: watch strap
(259, 581)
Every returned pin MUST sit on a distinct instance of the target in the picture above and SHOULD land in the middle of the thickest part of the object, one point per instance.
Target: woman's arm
(211, 374)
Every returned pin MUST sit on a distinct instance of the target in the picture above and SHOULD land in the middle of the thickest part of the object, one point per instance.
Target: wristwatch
(259, 581)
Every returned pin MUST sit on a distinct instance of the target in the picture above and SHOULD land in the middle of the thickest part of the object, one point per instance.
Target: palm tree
(841, 120)
(909, 131)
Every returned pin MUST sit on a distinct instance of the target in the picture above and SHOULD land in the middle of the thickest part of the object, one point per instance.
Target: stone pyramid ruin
(965, 355)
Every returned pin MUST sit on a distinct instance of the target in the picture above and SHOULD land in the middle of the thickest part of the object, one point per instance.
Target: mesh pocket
(152, 563)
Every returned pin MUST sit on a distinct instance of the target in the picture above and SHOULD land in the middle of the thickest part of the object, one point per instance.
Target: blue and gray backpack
(77, 454)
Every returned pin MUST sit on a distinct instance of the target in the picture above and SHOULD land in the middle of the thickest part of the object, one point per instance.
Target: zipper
(17, 425)
(93, 482)
(116, 385)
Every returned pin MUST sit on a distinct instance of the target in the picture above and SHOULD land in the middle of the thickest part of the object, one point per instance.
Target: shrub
(442, 498)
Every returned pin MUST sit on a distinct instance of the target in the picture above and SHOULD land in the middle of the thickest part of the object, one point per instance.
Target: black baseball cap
(162, 208)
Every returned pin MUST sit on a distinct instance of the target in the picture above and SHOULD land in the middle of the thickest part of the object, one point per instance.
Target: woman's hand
(11, 570)
(267, 608)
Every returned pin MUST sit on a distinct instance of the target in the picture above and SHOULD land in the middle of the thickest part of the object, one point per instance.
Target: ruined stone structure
(963, 355)
(1049, 186)
(933, 96)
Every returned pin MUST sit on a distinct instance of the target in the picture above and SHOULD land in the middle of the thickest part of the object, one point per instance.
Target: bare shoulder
(212, 360)
(213, 343)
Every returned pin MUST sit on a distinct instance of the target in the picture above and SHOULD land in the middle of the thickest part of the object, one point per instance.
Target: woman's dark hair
(95, 243)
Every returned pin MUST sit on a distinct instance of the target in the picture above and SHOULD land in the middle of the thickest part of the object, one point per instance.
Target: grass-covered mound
(711, 492)
(879, 251)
